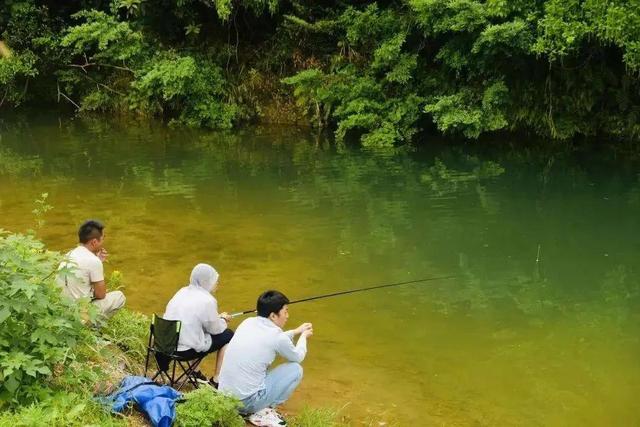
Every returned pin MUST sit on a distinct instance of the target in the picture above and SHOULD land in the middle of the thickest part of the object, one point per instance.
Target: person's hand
(226, 316)
(307, 332)
(300, 329)
(102, 254)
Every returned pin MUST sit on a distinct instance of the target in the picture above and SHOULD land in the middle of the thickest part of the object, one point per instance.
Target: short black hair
(271, 302)
(91, 229)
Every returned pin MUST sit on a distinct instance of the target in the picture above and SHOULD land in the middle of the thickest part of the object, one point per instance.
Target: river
(540, 326)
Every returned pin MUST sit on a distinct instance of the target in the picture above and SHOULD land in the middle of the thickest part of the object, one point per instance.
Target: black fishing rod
(350, 291)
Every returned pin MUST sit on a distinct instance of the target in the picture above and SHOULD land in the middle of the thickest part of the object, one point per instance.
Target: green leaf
(5, 312)
(11, 384)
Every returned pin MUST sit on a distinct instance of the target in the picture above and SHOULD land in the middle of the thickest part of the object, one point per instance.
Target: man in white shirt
(203, 329)
(86, 276)
(253, 349)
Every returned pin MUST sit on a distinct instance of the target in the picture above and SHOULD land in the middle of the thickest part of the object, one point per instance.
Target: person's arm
(294, 353)
(99, 289)
(96, 276)
(286, 349)
(212, 322)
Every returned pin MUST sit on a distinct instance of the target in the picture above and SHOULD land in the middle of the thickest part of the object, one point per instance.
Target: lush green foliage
(191, 88)
(370, 89)
(188, 88)
(51, 364)
(206, 407)
(381, 71)
(476, 67)
(39, 327)
(12, 71)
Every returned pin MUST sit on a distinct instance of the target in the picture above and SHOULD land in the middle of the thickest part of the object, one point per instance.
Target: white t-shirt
(87, 268)
(197, 309)
(251, 351)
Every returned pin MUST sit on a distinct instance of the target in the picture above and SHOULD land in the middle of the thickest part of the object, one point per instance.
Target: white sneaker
(266, 417)
(261, 418)
(276, 416)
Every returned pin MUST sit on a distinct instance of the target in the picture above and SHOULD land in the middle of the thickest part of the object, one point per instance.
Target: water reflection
(511, 340)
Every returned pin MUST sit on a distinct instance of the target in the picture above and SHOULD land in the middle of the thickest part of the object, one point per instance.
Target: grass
(318, 417)
(61, 410)
(129, 331)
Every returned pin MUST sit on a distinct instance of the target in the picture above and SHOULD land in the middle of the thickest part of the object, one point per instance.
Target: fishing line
(350, 291)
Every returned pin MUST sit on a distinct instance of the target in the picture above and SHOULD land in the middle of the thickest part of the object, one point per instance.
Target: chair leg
(187, 376)
(182, 378)
(149, 347)
(160, 373)
(187, 373)
(191, 369)
(146, 364)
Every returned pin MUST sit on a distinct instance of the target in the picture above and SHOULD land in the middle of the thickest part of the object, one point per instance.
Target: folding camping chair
(163, 344)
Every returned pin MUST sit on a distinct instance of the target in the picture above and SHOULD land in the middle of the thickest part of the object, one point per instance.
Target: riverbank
(54, 367)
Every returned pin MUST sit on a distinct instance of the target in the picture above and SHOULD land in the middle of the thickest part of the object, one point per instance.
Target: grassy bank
(53, 366)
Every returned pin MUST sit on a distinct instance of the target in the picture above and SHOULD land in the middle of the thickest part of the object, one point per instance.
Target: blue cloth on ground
(158, 402)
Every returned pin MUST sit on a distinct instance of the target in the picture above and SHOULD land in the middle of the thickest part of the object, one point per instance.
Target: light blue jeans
(279, 385)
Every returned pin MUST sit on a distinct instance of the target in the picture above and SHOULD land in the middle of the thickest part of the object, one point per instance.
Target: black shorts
(217, 342)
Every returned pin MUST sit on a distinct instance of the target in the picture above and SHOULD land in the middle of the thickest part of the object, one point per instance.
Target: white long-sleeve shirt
(197, 309)
(251, 351)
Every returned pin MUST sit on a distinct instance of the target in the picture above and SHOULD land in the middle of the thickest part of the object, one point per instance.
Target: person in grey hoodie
(203, 330)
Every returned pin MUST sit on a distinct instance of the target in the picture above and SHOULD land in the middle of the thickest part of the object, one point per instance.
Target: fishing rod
(350, 291)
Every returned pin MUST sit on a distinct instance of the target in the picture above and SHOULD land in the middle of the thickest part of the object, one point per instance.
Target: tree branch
(83, 67)
(116, 67)
(88, 64)
(65, 97)
(96, 64)
(104, 86)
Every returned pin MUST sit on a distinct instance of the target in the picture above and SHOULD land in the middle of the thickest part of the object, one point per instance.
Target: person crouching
(253, 349)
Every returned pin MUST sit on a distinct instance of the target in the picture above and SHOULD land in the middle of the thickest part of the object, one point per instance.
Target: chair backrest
(165, 334)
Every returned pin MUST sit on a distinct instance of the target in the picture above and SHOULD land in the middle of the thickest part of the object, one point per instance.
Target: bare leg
(219, 358)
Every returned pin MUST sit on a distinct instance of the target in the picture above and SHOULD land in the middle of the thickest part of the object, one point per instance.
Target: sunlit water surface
(540, 326)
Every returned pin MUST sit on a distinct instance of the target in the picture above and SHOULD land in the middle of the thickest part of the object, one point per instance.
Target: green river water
(509, 341)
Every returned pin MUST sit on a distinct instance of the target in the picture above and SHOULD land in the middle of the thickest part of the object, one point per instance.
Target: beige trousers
(111, 303)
